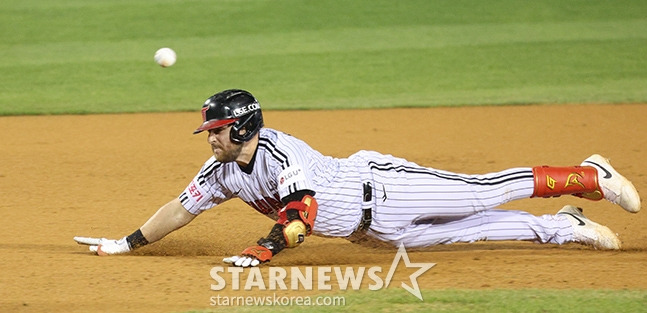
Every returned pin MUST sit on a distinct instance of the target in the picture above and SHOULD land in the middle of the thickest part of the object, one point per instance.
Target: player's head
(236, 107)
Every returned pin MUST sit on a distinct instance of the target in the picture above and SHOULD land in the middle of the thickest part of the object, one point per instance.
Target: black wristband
(136, 240)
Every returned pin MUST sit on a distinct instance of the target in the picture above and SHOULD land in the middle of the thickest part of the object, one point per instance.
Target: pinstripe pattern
(415, 205)
(492, 225)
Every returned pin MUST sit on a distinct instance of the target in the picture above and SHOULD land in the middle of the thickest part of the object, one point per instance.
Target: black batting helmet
(232, 106)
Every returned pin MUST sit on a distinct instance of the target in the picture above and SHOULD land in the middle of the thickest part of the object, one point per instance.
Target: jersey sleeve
(295, 173)
(203, 192)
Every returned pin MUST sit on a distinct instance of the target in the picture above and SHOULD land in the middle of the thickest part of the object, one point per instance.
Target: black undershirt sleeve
(297, 196)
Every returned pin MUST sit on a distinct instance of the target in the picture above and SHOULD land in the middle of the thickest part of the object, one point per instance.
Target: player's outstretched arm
(296, 221)
(168, 218)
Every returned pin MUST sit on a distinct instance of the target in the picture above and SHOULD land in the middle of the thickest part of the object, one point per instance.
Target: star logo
(402, 254)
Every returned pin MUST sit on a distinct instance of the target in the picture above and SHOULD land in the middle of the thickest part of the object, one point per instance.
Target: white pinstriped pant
(421, 206)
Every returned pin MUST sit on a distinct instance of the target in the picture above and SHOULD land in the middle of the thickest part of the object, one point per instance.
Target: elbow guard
(298, 219)
(294, 233)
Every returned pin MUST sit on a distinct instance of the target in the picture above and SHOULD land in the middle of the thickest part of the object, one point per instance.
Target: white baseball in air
(165, 57)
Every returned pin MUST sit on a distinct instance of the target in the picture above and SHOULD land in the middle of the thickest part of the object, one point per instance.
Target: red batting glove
(250, 257)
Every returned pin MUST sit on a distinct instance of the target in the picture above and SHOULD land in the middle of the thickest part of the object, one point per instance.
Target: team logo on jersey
(194, 192)
(267, 206)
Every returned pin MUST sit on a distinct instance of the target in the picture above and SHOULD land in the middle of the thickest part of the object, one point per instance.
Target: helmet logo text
(244, 110)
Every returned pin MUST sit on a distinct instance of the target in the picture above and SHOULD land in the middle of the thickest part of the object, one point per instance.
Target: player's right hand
(242, 261)
(103, 246)
(250, 257)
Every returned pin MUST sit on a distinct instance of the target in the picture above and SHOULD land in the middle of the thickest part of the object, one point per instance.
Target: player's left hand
(103, 246)
(250, 257)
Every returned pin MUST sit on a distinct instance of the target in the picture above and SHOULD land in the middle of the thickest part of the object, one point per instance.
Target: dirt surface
(104, 175)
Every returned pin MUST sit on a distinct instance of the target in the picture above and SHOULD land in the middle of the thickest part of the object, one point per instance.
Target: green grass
(482, 301)
(97, 56)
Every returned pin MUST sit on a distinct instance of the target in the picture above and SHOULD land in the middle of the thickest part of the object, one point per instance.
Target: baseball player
(368, 193)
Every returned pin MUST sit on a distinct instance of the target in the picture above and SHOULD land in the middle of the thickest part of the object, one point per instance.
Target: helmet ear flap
(238, 133)
(245, 128)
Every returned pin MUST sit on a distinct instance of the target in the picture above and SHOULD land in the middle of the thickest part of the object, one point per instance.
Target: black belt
(367, 214)
(365, 223)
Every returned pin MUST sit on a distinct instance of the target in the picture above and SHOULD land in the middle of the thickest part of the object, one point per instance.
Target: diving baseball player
(381, 196)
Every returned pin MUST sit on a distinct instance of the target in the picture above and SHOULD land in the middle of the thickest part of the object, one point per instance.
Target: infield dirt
(104, 175)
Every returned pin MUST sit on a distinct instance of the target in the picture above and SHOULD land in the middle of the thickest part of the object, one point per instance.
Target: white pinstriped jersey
(282, 165)
(410, 204)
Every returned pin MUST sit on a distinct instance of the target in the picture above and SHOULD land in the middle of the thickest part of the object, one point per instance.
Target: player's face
(223, 149)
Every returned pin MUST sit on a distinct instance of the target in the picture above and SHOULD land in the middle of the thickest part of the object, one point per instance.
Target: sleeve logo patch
(194, 192)
(291, 176)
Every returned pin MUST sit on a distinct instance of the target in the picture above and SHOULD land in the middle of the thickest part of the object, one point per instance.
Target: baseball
(165, 57)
